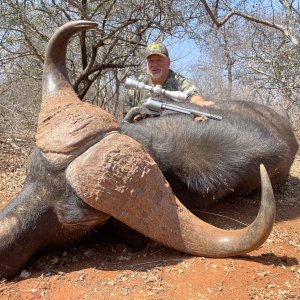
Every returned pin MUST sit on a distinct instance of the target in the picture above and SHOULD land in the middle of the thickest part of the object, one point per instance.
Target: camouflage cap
(157, 48)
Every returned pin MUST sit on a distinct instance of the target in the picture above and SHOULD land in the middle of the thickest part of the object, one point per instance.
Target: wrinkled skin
(85, 170)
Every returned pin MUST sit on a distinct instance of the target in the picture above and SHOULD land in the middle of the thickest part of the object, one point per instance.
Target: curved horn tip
(262, 169)
(82, 23)
(267, 190)
(264, 175)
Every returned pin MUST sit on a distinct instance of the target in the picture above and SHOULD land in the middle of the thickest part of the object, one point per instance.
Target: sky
(182, 54)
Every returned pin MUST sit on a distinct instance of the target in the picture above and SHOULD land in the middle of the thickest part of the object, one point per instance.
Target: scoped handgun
(157, 101)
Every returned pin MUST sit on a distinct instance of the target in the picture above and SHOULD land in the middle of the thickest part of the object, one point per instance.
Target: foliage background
(241, 50)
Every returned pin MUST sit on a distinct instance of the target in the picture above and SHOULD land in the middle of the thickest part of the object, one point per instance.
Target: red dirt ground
(111, 271)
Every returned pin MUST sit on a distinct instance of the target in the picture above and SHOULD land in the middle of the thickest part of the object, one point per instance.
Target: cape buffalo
(85, 170)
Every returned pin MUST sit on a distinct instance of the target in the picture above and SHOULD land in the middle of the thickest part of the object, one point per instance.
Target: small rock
(24, 274)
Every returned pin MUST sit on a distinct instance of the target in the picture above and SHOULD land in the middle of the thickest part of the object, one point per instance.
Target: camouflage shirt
(174, 82)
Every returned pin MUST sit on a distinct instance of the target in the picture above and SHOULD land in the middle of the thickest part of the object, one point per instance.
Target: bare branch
(232, 12)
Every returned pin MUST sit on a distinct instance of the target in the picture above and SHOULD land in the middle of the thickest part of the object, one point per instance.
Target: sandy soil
(94, 270)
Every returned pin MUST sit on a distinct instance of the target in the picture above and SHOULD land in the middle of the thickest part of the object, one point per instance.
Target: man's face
(158, 67)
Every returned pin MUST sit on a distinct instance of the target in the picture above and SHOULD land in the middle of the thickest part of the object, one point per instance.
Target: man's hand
(199, 100)
(200, 118)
